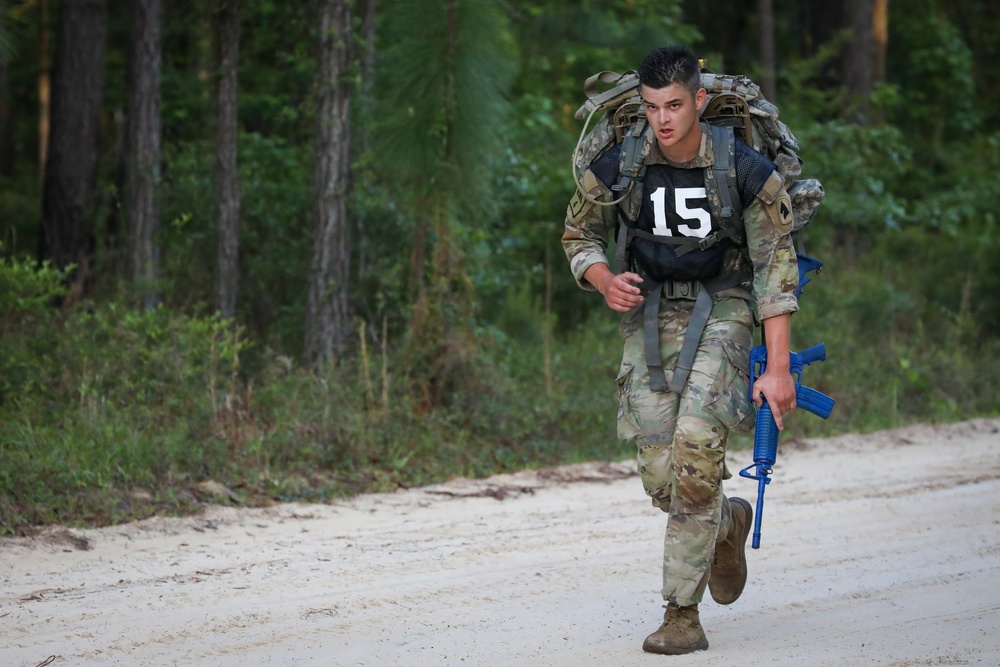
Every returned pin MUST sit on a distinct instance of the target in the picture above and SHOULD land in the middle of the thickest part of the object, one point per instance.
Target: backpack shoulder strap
(631, 156)
(720, 181)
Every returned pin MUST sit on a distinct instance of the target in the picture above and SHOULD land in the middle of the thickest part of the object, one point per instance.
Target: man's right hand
(621, 291)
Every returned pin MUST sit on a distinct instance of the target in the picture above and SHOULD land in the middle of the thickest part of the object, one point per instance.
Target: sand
(882, 549)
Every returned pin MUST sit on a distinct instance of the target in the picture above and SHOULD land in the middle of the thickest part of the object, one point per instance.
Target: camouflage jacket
(768, 254)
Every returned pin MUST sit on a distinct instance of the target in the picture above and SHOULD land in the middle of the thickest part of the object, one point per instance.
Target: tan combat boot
(680, 633)
(728, 575)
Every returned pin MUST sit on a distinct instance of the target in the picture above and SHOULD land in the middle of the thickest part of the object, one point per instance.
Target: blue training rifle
(765, 441)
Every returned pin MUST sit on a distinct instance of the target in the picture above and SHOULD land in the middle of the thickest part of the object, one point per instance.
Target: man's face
(673, 114)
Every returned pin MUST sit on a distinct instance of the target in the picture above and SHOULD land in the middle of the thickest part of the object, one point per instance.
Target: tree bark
(227, 182)
(768, 64)
(6, 133)
(880, 36)
(143, 161)
(327, 319)
(69, 191)
(819, 21)
(368, 60)
(363, 130)
(859, 55)
(44, 88)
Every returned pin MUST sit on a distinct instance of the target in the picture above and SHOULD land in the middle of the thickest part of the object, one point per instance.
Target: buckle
(708, 241)
(681, 289)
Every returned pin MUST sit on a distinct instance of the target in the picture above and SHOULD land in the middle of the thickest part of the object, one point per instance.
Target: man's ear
(700, 98)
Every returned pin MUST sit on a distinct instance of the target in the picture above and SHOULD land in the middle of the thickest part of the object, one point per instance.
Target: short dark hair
(671, 65)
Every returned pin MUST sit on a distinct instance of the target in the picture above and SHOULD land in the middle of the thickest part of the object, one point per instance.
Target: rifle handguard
(765, 453)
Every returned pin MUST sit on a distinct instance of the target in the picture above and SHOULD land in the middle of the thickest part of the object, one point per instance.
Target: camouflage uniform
(682, 439)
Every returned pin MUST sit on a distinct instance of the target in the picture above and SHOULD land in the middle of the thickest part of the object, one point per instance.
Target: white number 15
(701, 220)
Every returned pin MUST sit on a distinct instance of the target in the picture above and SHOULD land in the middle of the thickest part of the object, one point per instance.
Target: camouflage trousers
(682, 440)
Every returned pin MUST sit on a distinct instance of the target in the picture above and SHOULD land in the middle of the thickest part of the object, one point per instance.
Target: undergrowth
(108, 414)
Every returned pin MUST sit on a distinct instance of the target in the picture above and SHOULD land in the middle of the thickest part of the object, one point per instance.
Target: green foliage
(27, 289)
(187, 237)
(20, 211)
(563, 43)
(801, 102)
(904, 336)
(443, 97)
(26, 294)
(7, 47)
(861, 169)
(127, 413)
(933, 69)
(275, 100)
(112, 401)
(276, 213)
(966, 203)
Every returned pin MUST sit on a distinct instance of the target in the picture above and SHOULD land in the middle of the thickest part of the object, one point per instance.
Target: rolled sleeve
(775, 265)
(778, 304)
(585, 234)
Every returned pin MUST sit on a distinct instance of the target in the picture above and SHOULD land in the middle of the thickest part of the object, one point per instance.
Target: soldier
(707, 248)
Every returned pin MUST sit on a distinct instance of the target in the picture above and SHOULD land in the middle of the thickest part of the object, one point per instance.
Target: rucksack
(733, 101)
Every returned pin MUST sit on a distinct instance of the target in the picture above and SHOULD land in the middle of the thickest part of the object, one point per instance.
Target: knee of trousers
(656, 472)
(690, 467)
(698, 465)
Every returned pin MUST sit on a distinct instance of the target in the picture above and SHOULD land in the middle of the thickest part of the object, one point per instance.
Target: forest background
(256, 251)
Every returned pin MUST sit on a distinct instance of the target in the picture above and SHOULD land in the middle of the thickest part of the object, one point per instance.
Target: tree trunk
(819, 22)
(363, 129)
(143, 171)
(768, 64)
(327, 319)
(880, 35)
(44, 87)
(227, 182)
(368, 35)
(6, 133)
(69, 191)
(859, 55)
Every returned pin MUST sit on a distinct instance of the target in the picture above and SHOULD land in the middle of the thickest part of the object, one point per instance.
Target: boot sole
(669, 650)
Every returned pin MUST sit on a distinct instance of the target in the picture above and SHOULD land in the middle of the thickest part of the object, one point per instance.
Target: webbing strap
(681, 244)
(685, 289)
(651, 334)
(631, 145)
(621, 244)
(696, 326)
(701, 293)
(721, 142)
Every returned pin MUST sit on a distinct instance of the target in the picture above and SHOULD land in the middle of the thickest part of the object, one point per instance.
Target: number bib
(675, 208)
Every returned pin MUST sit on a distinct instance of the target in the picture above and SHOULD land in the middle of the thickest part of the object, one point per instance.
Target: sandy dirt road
(876, 550)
